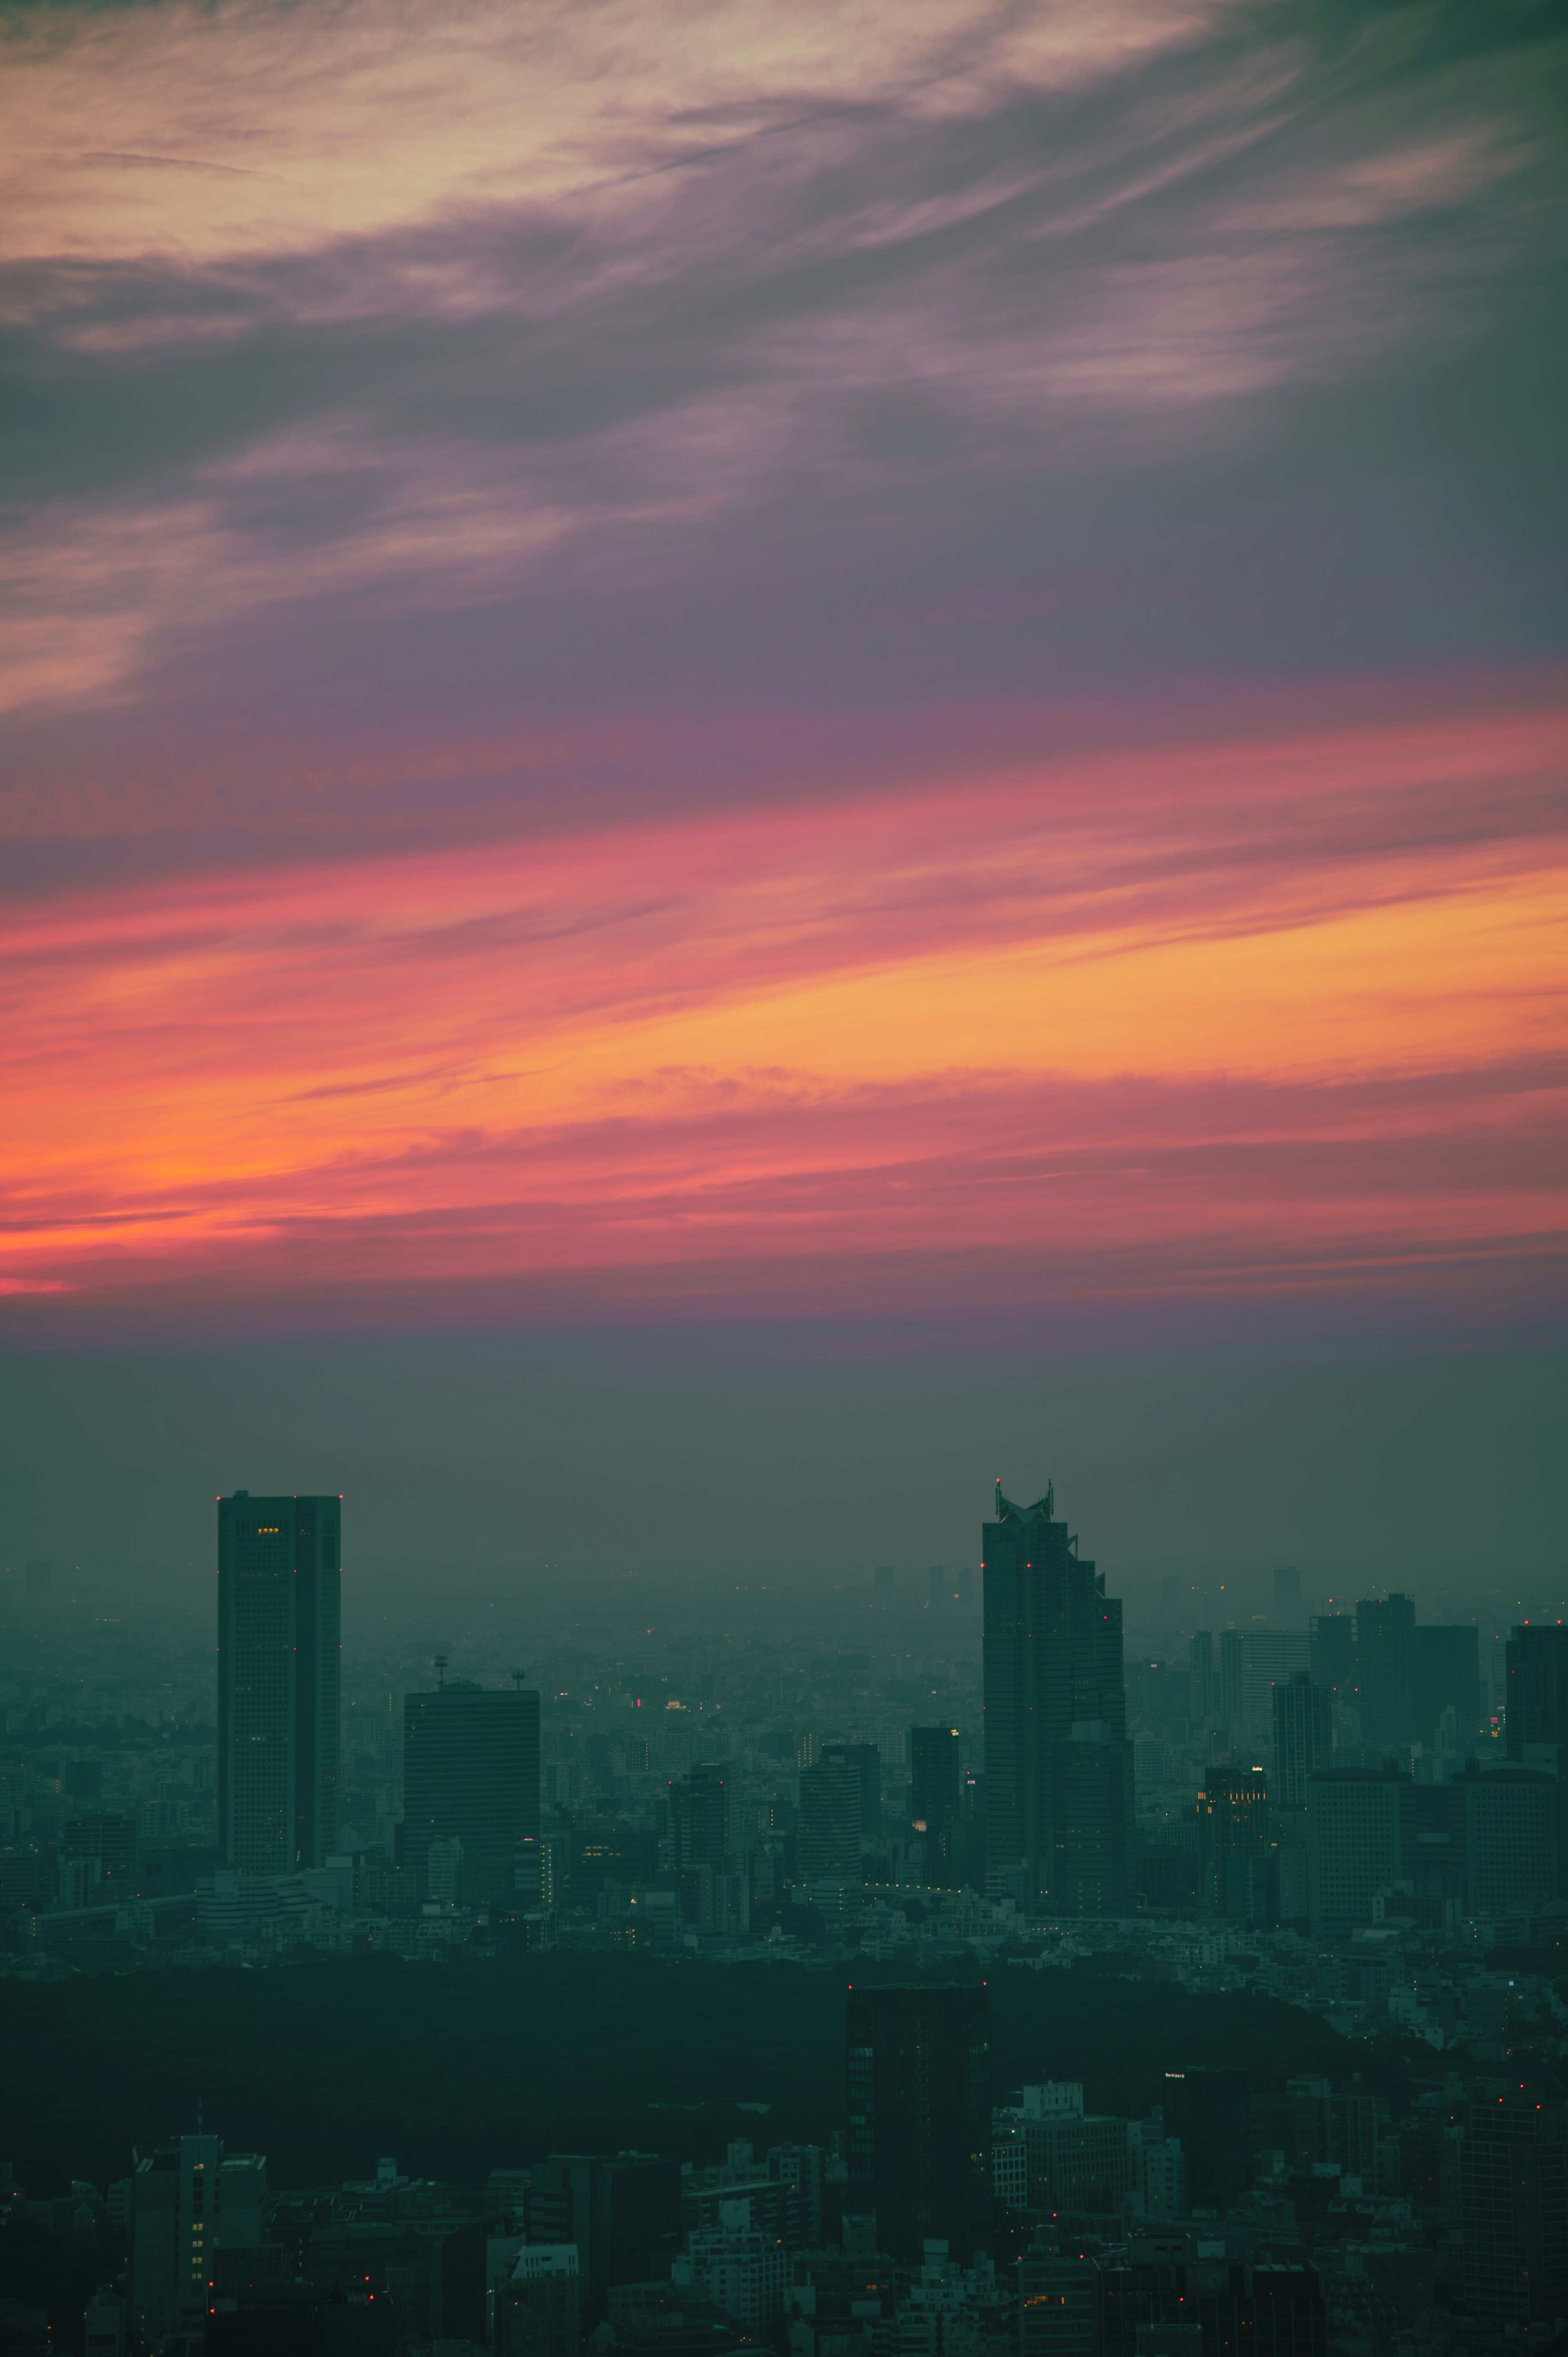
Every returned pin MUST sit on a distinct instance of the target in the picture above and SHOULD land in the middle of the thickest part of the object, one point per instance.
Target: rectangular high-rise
(1056, 1710)
(918, 2147)
(1537, 1686)
(471, 1773)
(1304, 1737)
(1385, 1667)
(827, 1844)
(279, 1585)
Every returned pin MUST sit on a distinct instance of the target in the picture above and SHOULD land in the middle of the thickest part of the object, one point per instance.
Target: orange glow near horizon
(1134, 1003)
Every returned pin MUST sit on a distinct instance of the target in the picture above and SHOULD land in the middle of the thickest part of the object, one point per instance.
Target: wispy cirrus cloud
(794, 648)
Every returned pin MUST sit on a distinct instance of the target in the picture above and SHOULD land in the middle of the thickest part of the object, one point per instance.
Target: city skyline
(783, 859)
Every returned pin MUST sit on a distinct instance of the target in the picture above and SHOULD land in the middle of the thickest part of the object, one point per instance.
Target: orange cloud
(1149, 1003)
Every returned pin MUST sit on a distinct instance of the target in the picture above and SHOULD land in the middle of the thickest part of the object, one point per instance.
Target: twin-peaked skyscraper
(1058, 1768)
(279, 1582)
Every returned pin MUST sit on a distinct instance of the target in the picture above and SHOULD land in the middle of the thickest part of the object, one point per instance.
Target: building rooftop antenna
(517, 1677)
(441, 1662)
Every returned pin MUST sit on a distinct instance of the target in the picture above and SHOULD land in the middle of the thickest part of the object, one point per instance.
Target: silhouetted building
(1053, 1664)
(1234, 1840)
(1231, 1703)
(111, 1841)
(934, 1775)
(470, 1771)
(188, 2200)
(1333, 1652)
(866, 1762)
(1512, 1838)
(1385, 1672)
(1359, 1833)
(1303, 1737)
(1513, 2208)
(1206, 2112)
(538, 2307)
(827, 1840)
(623, 2214)
(698, 1818)
(919, 2144)
(1537, 1661)
(936, 1806)
(279, 1582)
(1092, 1823)
(1204, 1699)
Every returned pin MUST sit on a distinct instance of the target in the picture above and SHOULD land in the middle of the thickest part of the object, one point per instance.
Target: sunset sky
(823, 674)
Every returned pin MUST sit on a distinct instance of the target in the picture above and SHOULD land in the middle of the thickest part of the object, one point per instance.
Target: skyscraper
(866, 1762)
(699, 1816)
(919, 2116)
(1333, 1654)
(1053, 1681)
(188, 2199)
(1513, 2207)
(827, 1841)
(1200, 1670)
(1538, 1687)
(934, 1781)
(936, 1802)
(1385, 1664)
(1303, 1737)
(1359, 1825)
(1232, 1837)
(471, 1773)
(279, 1582)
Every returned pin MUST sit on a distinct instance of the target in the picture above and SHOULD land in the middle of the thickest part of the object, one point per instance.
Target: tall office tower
(188, 2199)
(936, 1785)
(918, 2146)
(471, 1773)
(1200, 1672)
(1092, 1820)
(1053, 1665)
(1360, 1835)
(1287, 1593)
(1537, 1687)
(1385, 1665)
(1233, 1839)
(1332, 1643)
(1303, 1737)
(1269, 1657)
(1206, 2112)
(699, 1816)
(935, 1777)
(1512, 1838)
(866, 1762)
(1513, 2209)
(827, 1837)
(279, 1582)
(1232, 1675)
